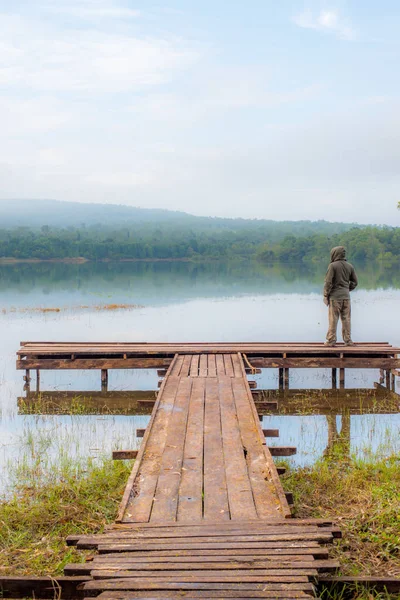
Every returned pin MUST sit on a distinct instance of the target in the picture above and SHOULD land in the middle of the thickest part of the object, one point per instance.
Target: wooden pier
(283, 356)
(204, 514)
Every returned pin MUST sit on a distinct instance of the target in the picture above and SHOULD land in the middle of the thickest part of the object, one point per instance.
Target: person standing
(340, 280)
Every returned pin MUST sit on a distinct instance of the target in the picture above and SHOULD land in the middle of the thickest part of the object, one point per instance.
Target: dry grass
(363, 498)
(36, 520)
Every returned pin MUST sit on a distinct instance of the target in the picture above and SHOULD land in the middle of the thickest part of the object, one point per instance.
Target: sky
(257, 109)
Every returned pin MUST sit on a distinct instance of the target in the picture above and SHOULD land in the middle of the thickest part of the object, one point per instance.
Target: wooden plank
(283, 566)
(203, 543)
(42, 587)
(188, 583)
(274, 534)
(251, 575)
(220, 365)
(190, 595)
(190, 500)
(271, 433)
(215, 503)
(124, 454)
(265, 499)
(236, 362)
(299, 549)
(282, 450)
(212, 366)
(145, 474)
(186, 365)
(165, 504)
(194, 366)
(176, 368)
(203, 368)
(228, 365)
(274, 480)
(240, 495)
(321, 522)
(204, 532)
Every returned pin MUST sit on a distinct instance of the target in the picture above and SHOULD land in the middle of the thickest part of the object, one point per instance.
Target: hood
(338, 253)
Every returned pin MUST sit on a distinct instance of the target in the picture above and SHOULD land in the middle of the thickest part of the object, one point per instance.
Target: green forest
(267, 241)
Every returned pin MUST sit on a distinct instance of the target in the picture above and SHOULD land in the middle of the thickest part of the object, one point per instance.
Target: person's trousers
(342, 309)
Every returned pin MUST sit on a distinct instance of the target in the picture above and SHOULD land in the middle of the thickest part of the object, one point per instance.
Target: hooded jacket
(341, 277)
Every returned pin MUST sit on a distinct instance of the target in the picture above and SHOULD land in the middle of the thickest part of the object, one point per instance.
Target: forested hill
(35, 214)
(103, 232)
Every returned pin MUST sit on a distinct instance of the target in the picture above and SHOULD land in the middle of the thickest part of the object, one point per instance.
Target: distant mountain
(35, 213)
(55, 213)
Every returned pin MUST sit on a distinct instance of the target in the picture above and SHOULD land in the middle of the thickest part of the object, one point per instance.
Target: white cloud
(326, 21)
(91, 9)
(40, 56)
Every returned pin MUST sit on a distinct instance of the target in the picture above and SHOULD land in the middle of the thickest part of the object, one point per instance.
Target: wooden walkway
(204, 514)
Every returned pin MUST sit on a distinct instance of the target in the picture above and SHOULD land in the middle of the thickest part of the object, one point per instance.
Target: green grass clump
(38, 517)
(363, 498)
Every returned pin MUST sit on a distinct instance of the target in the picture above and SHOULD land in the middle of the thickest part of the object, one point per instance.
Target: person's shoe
(330, 344)
(349, 343)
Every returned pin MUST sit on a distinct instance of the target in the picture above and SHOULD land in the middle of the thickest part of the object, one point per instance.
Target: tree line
(171, 242)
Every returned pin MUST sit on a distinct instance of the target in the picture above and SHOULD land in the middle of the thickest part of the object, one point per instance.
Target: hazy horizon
(281, 111)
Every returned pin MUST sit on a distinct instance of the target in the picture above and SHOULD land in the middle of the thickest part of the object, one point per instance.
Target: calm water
(176, 302)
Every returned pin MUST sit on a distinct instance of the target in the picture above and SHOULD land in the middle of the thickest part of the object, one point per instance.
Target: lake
(177, 301)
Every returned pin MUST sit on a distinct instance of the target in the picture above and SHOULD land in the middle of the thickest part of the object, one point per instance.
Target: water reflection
(236, 301)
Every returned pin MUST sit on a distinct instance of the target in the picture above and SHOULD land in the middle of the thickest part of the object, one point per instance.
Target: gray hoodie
(341, 277)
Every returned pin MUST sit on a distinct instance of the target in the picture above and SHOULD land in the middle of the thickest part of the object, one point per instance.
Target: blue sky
(265, 109)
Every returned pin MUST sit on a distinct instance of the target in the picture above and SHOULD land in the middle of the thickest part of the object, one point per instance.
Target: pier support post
(342, 378)
(393, 382)
(37, 380)
(281, 379)
(334, 379)
(286, 378)
(104, 380)
(27, 379)
(388, 379)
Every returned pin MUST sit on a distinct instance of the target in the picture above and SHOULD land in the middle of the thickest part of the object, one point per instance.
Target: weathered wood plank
(228, 365)
(192, 594)
(215, 504)
(42, 587)
(200, 583)
(232, 565)
(194, 366)
(202, 543)
(165, 504)
(220, 365)
(145, 475)
(124, 454)
(190, 501)
(203, 368)
(212, 366)
(265, 499)
(240, 495)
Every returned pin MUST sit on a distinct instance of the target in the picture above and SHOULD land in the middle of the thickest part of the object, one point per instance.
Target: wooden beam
(124, 454)
(349, 362)
(65, 588)
(93, 363)
(104, 380)
(282, 450)
(271, 433)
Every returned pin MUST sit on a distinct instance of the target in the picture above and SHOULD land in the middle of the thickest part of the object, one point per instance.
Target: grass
(41, 513)
(363, 498)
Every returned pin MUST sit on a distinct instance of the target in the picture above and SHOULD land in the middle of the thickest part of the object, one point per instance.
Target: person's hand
(326, 301)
